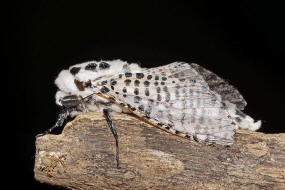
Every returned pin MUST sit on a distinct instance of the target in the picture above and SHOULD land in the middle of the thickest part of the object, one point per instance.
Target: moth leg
(113, 130)
(60, 119)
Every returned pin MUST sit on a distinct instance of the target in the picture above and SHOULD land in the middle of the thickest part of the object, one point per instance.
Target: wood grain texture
(83, 157)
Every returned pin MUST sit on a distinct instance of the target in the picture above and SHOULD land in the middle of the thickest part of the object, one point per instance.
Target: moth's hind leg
(114, 132)
(60, 119)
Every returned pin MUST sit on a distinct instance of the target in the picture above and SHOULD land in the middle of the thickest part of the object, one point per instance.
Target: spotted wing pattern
(175, 97)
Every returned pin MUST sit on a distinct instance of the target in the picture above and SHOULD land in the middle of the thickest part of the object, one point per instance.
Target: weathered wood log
(83, 157)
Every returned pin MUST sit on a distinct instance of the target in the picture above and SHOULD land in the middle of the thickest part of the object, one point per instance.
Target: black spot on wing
(165, 89)
(147, 115)
(104, 89)
(167, 97)
(137, 82)
(146, 83)
(176, 93)
(141, 108)
(136, 91)
(139, 75)
(127, 82)
(187, 136)
(111, 98)
(137, 99)
(158, 97)
(164, 78)
(104, 82)
(158, 90)
(127, 75)
(147, 92)
(149, 77)
(113, 82)
(176, 75)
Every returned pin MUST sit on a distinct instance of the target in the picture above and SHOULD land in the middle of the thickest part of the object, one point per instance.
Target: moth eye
(74, 70)
(91, 66)
(104, 65)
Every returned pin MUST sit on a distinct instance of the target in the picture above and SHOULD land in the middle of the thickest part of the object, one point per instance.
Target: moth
(183, 99)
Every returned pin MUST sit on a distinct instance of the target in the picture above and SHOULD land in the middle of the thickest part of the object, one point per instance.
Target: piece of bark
(83, 157)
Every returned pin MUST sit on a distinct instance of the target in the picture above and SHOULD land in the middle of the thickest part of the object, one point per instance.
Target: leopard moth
(183, 99)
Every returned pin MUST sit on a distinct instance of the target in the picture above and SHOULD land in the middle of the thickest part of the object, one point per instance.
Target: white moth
(183, 99)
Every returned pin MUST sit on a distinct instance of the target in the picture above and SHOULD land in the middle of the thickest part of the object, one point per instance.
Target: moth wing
(227, 91)
(177, 96)
(208, 118)
(222, 87)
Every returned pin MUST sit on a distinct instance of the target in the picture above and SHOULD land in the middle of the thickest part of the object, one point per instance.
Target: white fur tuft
(65, 82)
(248, 123)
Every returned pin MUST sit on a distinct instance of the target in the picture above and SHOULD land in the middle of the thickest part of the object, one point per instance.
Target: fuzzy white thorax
(65, 79)
(116, 66)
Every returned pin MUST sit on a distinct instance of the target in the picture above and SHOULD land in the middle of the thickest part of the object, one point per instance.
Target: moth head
(68, 89)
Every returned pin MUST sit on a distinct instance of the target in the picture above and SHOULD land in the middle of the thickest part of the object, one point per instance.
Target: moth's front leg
(61, 117)
(114, 132)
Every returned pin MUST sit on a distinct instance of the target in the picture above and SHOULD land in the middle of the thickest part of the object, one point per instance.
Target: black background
(243, 42)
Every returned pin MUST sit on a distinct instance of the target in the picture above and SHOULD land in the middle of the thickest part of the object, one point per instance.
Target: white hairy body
(183, 99)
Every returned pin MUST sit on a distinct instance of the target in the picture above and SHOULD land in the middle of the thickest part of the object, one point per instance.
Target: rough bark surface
(83, 157)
